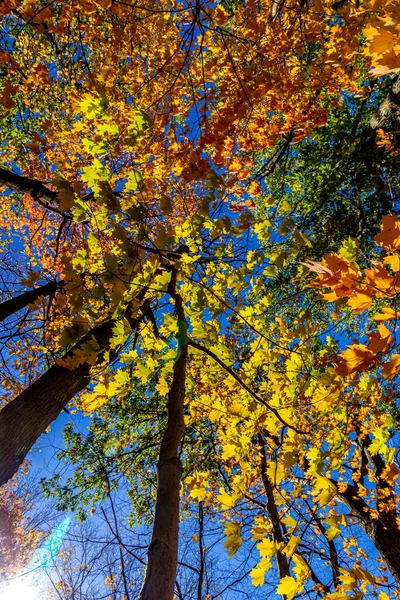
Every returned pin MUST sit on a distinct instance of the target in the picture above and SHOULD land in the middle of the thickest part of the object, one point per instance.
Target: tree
(140, 192)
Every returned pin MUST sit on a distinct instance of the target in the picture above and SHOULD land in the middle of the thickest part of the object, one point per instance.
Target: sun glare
(20, 589)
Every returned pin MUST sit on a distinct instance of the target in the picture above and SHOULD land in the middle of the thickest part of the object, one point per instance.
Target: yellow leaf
(290, 523)
(378, 444)
(316, 462)
(324, 491)
(301, 568)
(363, 574)
(229, 451)
(289, 587)
(348, 579)
(334, 528)
(197, 485)
(275, 472)
(257, 576)
(260, 529)
(291, 546)
(227, 500)
(233, 539)
(267, 548)
(350, 250)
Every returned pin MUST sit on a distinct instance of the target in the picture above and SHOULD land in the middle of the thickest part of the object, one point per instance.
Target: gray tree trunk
(162, 555)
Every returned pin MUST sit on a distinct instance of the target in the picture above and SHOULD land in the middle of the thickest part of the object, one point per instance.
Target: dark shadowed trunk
(25, 418)
(9, 307)
(162, 556)
(283, 565)
(32, 187)
(35, 189)
(384, 530)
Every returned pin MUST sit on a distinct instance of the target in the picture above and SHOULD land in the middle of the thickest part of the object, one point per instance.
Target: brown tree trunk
(25, 418)
(162, 555)
(32, 187)
(9, 307)
(383, 531)
(387, 542)
(283, 565)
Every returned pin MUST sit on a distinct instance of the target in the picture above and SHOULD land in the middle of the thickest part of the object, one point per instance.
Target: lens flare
(20, 589)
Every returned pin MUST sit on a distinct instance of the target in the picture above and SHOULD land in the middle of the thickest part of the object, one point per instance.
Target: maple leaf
(356, 357)
(257, 576)
(348, 579)
(380, 341)
(289, 587)
(389, 238)
(335, 272)
(391, 367)
(334, 522)
(360, 301)
(323, 490)
(301, 568)
(197, 485)
(267, 548)
(233, 540)
(291, 545)
(393, 260)
(387, 314)
(390, 474)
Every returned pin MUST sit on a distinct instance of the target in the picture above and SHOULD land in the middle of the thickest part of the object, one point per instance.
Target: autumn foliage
(157, 235)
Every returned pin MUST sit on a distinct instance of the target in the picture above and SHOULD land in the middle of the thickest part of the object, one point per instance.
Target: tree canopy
(200, 253)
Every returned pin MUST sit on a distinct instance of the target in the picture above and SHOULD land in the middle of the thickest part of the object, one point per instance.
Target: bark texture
(35, 189)
(283, 565)
(162, 555)
(25, 418)
(388, 108)
(9, 307)
(383, 531)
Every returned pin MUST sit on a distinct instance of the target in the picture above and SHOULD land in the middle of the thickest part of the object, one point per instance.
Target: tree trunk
(162, 555)
(383, 532)
(283, 565)
(9, 307)
(25, 418)
(32, 187)
(387, 542)
(388, 108)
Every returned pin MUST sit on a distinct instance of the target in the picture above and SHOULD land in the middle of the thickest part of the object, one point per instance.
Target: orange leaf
(387, 314)
(379, 341)
(389, 237)
(392, 367)
(390, 474)
(355, 358)
(393, 260)
(249, 203)
(360, 301)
